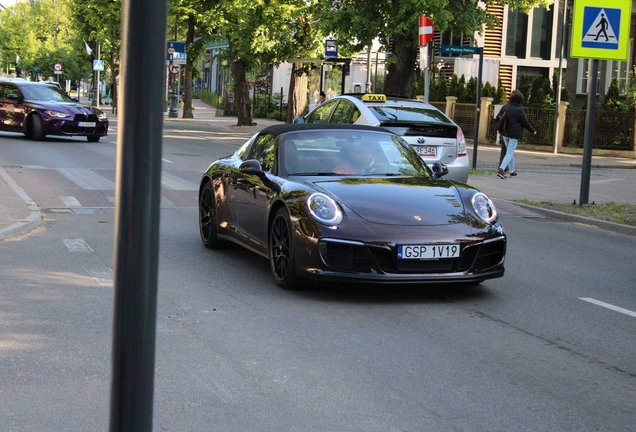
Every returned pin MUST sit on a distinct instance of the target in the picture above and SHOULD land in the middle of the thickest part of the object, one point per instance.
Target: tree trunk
(187, 83)
(241, 91)
(399, 80)
(114, 69)
(297, 99)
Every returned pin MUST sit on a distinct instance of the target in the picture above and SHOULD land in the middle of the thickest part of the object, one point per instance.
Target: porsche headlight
(484, 208)
(324, 209)
(57, 114)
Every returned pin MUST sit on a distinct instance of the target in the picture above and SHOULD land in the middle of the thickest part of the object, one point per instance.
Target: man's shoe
(513, 174)
(501, 174)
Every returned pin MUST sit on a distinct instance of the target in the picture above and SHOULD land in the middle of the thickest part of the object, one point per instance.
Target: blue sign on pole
(173, 48)
(98, 65)
(601, 28)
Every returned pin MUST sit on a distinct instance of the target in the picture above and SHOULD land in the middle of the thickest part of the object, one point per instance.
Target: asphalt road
(549, 347)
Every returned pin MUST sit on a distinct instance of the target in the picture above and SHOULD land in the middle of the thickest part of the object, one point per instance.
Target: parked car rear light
(461, 143)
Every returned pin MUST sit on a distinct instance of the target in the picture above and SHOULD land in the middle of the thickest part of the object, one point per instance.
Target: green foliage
(471, 90)
(613, 99)
(525, 83)
(488, 90)
(500, 96)
(536, 96)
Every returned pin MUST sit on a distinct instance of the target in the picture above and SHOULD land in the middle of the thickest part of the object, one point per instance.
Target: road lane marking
(77, 245)
(103, 276)
(173, 182)
(166, 160)
(87, 179)
(609, 306)
(70, 201)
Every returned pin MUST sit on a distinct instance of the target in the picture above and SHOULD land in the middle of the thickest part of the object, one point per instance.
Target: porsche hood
(398, 201)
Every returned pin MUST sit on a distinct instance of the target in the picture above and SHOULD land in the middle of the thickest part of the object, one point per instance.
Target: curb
(26, 225)
(566, 217)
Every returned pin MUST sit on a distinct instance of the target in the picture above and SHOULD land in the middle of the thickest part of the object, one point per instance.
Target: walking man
(516, 121)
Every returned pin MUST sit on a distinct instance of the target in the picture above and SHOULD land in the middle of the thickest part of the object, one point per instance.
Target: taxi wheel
(208, 221)
(281, 251)
(92, 138)
(37, 128)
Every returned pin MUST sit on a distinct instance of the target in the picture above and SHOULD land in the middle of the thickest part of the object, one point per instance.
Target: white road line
(70, 201)
(103, 276)
(77, 245)
(87, 179)
(173, 182)
(609, 306)
(166, 160)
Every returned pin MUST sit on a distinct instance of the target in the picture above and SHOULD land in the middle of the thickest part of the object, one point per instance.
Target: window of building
(517, 32)
(620, 71)
(582, 82)
(541, 33)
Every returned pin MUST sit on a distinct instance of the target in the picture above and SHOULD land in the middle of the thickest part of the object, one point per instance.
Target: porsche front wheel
(281, 251)
(208, 218)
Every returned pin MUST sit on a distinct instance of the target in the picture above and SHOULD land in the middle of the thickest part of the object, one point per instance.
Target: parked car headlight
(58, 114)
(484, 208)
(324, 209)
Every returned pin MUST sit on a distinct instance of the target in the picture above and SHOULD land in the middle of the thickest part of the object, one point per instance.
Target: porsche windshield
(348, 152)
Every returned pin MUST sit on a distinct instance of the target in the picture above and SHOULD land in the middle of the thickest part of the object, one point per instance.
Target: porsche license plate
(422, 252)
(86, 124)
(425, 150)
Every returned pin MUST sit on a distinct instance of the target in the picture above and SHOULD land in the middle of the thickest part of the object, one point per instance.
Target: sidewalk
(542, 176)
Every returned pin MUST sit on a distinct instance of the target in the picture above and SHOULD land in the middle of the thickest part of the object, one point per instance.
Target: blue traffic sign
(601, 28)
(98, 65)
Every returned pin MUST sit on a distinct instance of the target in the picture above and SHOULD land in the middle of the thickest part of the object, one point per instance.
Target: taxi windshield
(388, 113)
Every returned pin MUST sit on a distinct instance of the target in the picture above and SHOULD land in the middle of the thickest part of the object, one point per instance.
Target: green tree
(488, 90)
(501, 98)
(471, 90)
(355, 22)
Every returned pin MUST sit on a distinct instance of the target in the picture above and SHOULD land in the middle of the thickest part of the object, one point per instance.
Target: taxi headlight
(324, 209)
(484, 208)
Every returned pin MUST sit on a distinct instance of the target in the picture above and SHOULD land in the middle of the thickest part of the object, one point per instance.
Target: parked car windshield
(387, 113)
(44, 92)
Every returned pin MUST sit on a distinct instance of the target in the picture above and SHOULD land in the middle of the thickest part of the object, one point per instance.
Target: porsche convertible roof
(283, 128)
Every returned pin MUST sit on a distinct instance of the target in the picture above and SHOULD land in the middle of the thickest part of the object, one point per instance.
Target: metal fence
(613, 130)
(465, 118)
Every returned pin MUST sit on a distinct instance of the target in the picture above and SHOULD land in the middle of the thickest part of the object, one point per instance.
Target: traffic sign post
(426, 34)
(456, 49)
(599, 32)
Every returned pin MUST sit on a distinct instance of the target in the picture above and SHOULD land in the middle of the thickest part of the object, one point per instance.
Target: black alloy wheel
(207, 218)
(281, 251)
(37, 128)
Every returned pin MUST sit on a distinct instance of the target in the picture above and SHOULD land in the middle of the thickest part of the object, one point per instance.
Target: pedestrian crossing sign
(600, 31)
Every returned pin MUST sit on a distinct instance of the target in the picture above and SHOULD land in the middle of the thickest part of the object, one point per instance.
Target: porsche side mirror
(299, 120)
(439, 170)
(251, 166)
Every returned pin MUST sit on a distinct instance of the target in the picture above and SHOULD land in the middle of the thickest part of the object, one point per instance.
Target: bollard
(173, 113)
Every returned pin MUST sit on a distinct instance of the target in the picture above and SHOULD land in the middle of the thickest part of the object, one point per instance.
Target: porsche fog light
(324, 209)
(484, 208)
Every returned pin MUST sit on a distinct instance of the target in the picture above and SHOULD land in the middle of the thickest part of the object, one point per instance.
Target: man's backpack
(501, 123)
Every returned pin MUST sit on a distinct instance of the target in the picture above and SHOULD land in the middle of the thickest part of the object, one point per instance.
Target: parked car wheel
(208, 219)
(281, 251)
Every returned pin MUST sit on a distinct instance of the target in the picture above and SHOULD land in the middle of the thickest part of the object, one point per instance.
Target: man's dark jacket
(516, 120)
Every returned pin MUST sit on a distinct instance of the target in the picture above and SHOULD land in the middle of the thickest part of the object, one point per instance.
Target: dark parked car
(38, 109)
(348, 202)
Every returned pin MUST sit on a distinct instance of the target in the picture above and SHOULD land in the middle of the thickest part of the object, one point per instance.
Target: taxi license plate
(86, 124)
(425, 150)
(405, 252)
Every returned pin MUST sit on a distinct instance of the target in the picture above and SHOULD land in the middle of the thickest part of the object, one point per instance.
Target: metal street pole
(138, 195)
(588, 141)
(478, 106)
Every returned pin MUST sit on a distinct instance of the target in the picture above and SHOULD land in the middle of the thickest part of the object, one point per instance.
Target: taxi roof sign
(374, 97)
(600, 31)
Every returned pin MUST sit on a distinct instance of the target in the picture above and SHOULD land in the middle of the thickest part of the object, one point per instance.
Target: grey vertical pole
(138, 190)
(478, 106)
(589, 136)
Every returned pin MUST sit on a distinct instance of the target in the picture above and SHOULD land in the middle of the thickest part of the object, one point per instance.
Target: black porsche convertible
(348, 203)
